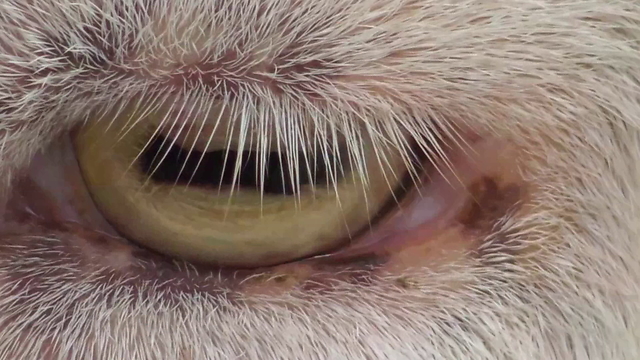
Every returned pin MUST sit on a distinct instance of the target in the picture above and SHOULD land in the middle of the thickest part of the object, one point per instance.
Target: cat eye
(238, 195)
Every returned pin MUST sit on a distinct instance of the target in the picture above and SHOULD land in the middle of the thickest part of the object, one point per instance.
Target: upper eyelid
(95, 48)
(109, 70)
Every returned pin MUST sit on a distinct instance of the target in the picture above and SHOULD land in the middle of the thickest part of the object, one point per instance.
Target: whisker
(166, 139)
(242, 137)
(152, 105)
(303, 139)
(279, 146)
(210, 139)
(149, 140)
(292, 152)
(126, 127)
(193, 144)
(382, 160)
(230, 127)
(264, 139)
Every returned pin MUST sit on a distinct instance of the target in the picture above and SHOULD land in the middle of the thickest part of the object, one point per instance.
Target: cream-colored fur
(559, 77)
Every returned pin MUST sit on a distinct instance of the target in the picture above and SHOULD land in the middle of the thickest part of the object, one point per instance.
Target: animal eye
(231, 192)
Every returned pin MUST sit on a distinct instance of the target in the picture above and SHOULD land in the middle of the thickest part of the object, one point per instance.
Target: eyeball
(234, 202)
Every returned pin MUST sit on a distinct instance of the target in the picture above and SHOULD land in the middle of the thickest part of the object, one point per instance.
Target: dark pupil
(217, 168)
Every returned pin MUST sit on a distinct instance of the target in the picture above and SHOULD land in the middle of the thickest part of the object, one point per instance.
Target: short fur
(559, 77)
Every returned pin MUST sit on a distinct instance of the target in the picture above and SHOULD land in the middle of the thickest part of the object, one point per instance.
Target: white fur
(559, 77)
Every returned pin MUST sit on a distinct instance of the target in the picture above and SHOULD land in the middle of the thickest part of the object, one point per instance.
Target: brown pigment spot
(317, 276)
(489, 202)
(406, 283)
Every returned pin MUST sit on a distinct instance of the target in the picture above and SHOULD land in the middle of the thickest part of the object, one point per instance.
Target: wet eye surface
(238, 201)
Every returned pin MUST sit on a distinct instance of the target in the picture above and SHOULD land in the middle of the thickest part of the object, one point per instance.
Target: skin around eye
(206, 209)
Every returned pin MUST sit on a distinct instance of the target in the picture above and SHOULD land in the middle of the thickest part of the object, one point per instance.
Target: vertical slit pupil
(217, 168)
